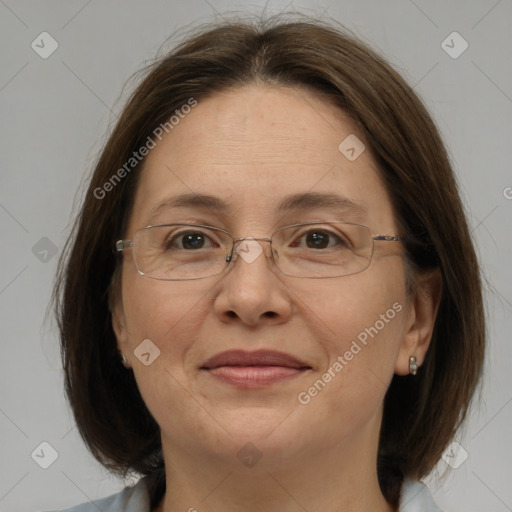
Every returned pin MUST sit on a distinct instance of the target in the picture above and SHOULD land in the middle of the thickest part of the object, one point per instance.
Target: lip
(254, 358)
(254, 369)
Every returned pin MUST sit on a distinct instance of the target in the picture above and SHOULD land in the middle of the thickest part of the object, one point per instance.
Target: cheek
(346, 395)
(359, 323)
(363, 307)
(170, 314)
(166, 312)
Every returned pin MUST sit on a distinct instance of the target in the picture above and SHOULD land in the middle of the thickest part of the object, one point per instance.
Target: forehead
(255, 146)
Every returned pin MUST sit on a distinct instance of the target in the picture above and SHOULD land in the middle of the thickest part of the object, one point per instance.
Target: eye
(189, 240)
(320, 239)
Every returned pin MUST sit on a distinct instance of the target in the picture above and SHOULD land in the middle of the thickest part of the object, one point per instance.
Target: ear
(420, 317)
(120, 329)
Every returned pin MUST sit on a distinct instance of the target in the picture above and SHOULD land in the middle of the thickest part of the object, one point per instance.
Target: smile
(247, 370)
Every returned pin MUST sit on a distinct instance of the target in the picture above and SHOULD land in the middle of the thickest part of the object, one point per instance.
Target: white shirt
(415, 498)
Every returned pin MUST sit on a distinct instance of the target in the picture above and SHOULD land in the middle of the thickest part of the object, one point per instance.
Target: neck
(339, 478)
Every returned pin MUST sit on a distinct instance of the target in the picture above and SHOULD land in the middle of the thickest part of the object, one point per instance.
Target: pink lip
(254, 369)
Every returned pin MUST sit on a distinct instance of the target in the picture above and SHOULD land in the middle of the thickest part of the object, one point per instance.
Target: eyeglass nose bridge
(237, 241)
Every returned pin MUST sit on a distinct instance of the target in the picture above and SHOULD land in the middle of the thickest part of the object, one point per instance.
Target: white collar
(415, 497)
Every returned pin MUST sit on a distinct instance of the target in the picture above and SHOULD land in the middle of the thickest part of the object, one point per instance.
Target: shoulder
(130, 499)
(416, 497)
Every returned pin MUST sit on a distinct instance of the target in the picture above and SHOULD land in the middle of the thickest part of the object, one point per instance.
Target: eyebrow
(311, 200)
(293, 202)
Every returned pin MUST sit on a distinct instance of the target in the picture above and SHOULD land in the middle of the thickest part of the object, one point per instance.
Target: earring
(123, 359)
(413, 367)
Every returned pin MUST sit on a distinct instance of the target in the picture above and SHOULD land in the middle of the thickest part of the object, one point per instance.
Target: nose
(252, 292)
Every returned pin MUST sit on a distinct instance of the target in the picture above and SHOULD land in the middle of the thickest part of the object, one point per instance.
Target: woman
(271, 300)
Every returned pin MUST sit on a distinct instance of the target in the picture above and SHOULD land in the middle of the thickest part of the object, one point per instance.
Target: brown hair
(421, 413)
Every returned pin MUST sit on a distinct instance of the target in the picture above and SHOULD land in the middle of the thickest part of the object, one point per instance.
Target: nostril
(270, 314)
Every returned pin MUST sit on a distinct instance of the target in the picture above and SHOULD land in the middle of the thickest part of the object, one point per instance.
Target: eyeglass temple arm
(389, 238)
(121, 245)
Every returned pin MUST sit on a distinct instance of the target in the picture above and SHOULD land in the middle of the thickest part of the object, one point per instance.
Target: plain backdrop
(55, 113)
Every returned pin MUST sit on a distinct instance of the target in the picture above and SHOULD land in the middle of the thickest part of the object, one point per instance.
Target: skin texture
(251, 147)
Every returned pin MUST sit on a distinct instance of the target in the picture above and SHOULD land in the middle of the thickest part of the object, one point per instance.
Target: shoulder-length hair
(421, 413)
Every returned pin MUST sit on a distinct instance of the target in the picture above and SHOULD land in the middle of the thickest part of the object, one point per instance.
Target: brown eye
(317, 240)
(320, 239)
(193, 241)
(189, 240)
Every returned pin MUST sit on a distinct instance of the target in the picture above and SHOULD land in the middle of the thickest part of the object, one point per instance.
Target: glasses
(323, 249)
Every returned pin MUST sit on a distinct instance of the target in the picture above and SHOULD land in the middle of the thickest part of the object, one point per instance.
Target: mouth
(254, 369)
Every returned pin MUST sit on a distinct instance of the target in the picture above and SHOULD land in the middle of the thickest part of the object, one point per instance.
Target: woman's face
(251, 149)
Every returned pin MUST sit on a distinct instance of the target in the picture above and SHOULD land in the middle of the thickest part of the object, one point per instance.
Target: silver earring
(413, 367)
(123, 359)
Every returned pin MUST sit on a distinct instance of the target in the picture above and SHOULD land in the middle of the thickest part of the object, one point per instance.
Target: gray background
(55, 113)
